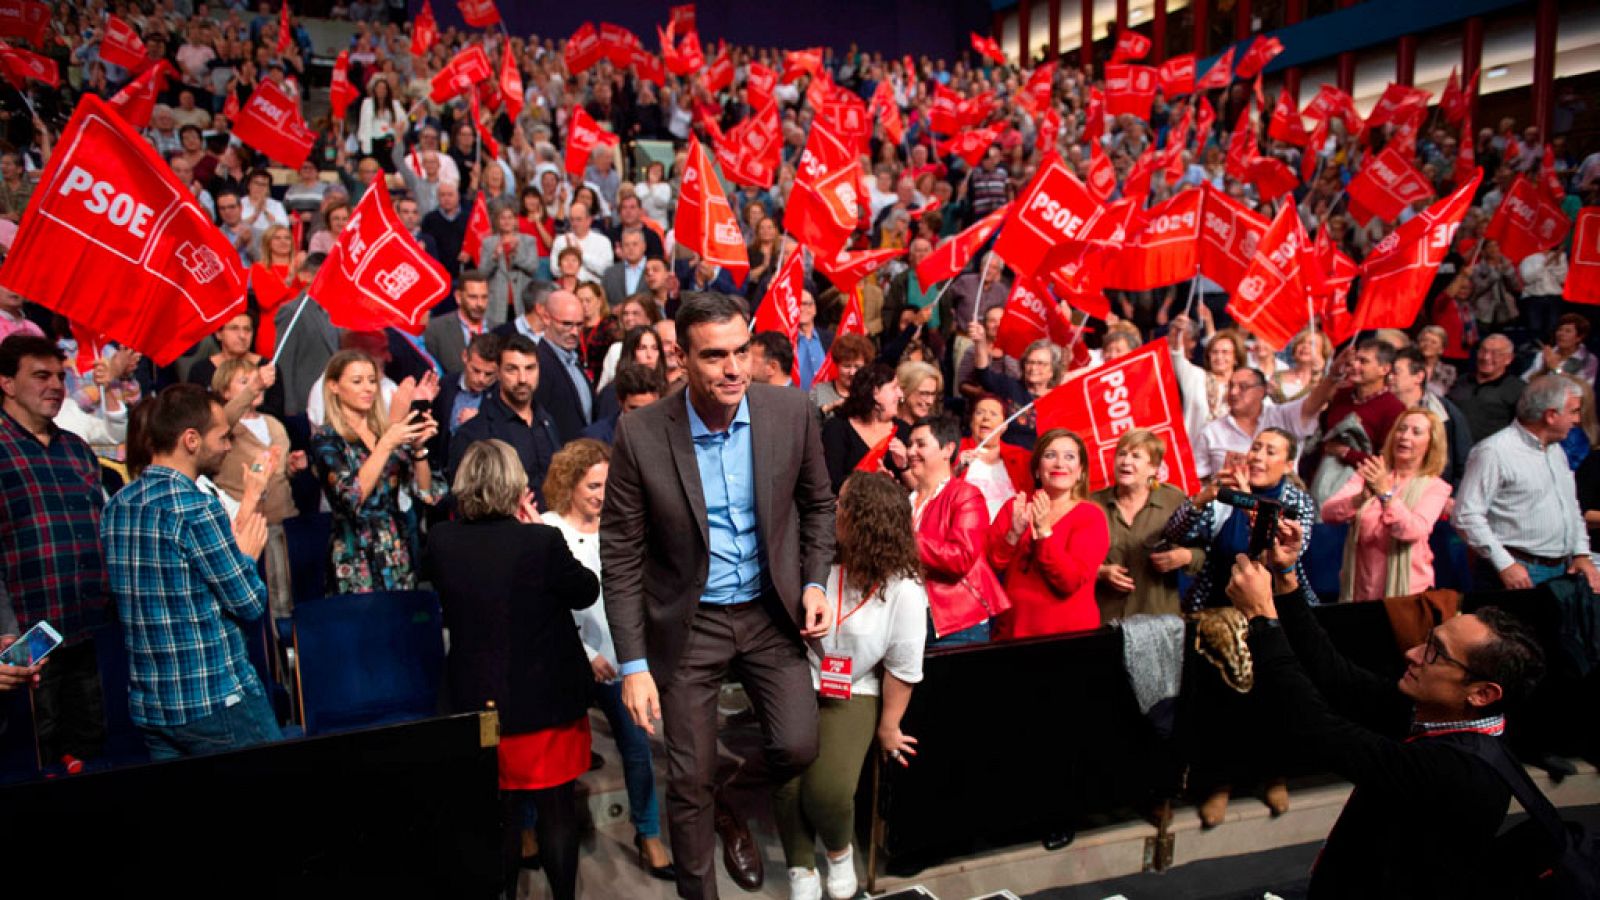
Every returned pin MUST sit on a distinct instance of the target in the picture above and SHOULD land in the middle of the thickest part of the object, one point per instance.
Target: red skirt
(542, 759)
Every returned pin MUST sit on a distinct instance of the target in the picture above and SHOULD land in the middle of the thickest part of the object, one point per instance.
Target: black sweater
(508, 591)
(1423, 814)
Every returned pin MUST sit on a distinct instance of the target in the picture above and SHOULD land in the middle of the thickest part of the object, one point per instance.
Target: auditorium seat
(307, 535)
(124, 744)
(367, 659)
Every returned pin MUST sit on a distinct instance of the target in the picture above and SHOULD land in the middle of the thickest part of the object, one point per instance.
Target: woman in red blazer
(1049, 546)
(1001, 469)
(952, 523)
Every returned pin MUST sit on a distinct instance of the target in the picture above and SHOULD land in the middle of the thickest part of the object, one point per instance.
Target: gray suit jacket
(445, 342)
(305, 352)
(615, 283)
(654, 538)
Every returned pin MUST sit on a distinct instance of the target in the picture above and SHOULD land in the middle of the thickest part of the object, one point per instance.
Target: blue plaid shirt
(182, 587)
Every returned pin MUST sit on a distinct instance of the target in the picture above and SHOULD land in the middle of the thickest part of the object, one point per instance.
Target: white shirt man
(1250, 413)
(595, 247)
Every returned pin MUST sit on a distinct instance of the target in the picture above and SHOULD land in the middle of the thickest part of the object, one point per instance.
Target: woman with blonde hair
(575, 491)
(1309, 353)
(1394, 499)
(508, 586)
(364, 457)
(921, 388)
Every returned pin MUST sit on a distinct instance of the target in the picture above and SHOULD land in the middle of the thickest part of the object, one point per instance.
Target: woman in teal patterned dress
(364, 461)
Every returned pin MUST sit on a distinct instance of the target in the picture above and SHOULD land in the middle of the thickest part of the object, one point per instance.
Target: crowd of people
(591, 459)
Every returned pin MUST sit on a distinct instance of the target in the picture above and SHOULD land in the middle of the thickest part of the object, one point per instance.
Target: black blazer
(508, 591)
(558, 396)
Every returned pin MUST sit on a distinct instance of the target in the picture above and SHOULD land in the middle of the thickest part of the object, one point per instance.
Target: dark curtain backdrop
(893, 27)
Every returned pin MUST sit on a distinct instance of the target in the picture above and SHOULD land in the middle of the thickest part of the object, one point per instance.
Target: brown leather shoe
(1215, 808)
(740, 854)
(1277, 796)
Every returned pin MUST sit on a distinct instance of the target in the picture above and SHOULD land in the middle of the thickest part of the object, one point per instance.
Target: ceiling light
(1497, 72)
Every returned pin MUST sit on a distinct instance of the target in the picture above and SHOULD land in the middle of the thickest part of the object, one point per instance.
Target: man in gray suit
(626, 276)
(447, 335)
(718, 523)
(304, 350)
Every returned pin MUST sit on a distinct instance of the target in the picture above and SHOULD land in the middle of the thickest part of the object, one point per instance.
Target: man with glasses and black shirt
(1249, 414)
(1428, 802)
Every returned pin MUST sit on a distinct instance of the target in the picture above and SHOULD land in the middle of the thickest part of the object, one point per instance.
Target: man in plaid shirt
(50, 560)
(184, 580)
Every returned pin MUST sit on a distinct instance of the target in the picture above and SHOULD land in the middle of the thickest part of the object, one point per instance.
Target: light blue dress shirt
(580, 381)
(808, 356)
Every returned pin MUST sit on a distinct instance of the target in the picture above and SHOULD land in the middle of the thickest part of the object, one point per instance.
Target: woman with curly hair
(877, 642)
(864, 421)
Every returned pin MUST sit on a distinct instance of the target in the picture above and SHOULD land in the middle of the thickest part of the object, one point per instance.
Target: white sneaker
(842, 884)
(804, 884)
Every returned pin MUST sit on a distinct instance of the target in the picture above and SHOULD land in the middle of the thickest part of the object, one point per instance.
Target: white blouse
(889, 628)
(593, 629)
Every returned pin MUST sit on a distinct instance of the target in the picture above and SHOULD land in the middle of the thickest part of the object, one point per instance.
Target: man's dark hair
(945, 428)
(1413, 356)
(1383, 350)
(701, 307)
(634, 379)
(487, 345)
(185, 129)
(467, 275)
(314, 260)
(20, 346)
(177, 409)
(776, 348)
(1511, 658)
(517, 343)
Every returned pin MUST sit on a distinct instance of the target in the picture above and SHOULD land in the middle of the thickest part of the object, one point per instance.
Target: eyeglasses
(1433, 651)
(566, 326)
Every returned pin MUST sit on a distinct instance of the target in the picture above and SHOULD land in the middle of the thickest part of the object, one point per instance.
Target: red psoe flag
(25, 19)
(377, 276)
(1396, 101)
(1130, 45)
(952, 256)
(649, 66)
(852, 322)
(1164, 251)
(584, 134)
(1396, 274)
(759, 83)
(491, 147)
(1262, 50)
(802, 62)
(942, 110)
(510, 83)
(478, 227)
(479, 13)
(1229, 237)
(1385, 186)
(1175, 77)
(583, 49)
(989, 48)
(464, 72)
(120, 45)
(681, 18)
(617, 43)
(342, 93)
(1583, 269)
(1220, 75)
(847, 269)
(285, 30)
(1102, 175)
(1055, 208)
(1453, 103)
(824, 207)
(1286, 125)
(424, 30)
(137, 99)
(1049, 131)
(1130, 89)
(719, 75)
(690, 58)
(1137, 391)
(1030, 314)
(1272, 177)
(21, 66)
(970, 145)
(780, 306)
(1272, 297)
(114, 242)
(1526, 222)
(705, 223)
(270, 122)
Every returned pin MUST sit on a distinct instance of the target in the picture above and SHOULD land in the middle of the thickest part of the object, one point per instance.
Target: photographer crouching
(1428, 802)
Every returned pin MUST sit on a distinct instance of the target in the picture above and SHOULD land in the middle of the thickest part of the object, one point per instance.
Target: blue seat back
(368, 659)
(308, 535)
(124, 742)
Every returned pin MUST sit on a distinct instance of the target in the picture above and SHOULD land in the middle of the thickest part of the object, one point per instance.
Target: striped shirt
(1494, 726)
(1518, 494)
(183, 587)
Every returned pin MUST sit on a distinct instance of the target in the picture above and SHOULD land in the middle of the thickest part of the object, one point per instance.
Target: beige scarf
(1397, 578)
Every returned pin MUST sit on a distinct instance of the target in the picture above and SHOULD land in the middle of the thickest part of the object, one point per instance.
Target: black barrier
(1018, 740)
(407, 810)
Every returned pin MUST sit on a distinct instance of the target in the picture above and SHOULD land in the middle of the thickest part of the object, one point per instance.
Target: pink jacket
(1379, 525)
